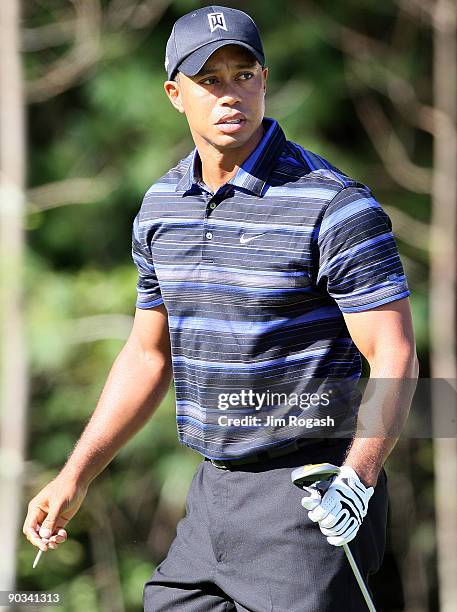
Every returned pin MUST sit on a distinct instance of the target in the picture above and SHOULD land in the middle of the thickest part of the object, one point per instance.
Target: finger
(30, 530)
(309, 504)
(61, 533)
(335, 518)
(52, 523)
(59, 537)
(340, 540)
(312, 500)
(35, 539)
(336, 541)
(33, 520)
(342, 528)
(349, 537)
(328, 504)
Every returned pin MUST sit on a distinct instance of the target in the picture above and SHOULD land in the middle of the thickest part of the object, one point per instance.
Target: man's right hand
(50, 510)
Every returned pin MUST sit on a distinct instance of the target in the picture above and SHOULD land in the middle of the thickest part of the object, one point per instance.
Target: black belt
(272, 453)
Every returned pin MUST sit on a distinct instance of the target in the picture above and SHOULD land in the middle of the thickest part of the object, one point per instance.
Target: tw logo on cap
(217, 20)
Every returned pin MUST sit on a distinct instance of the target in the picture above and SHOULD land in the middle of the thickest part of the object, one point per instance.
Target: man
(264, 272)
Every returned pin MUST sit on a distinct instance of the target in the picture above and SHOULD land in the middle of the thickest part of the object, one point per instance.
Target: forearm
(134, 389)
(383, 413)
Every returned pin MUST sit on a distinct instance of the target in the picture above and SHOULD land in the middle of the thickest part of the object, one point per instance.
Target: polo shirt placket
(212, 200)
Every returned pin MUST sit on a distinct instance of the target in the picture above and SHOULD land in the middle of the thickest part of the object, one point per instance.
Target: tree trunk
(13, 372)
(442, 289)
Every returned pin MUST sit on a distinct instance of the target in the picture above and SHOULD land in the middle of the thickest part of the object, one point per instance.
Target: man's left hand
(342, 508)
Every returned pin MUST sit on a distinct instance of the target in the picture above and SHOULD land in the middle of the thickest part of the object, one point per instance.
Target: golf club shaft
(359, 578)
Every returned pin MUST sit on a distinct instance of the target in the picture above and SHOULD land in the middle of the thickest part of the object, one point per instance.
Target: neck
(219, 166)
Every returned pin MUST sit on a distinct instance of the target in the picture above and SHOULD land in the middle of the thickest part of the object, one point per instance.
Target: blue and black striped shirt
(255, 278)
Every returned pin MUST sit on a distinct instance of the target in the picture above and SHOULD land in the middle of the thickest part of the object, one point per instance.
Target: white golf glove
(342, 508)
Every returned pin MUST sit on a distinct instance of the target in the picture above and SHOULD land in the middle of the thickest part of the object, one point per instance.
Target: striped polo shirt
(255, 278)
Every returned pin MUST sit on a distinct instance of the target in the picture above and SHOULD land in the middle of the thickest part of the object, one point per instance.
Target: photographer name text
(272, 421)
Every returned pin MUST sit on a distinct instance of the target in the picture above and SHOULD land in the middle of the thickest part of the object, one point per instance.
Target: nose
(229, 95)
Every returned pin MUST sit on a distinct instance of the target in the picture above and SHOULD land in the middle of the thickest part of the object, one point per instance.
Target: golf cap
(197, 35)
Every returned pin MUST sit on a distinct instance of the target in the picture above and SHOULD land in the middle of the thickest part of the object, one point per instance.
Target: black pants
(246, 544)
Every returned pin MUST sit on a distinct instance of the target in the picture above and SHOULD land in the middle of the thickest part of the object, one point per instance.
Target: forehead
(230, 54)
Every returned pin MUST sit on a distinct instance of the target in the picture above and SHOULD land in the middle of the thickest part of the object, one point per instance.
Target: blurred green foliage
(115, 127)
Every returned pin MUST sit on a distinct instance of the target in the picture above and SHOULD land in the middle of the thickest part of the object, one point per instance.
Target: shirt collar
(253, 173)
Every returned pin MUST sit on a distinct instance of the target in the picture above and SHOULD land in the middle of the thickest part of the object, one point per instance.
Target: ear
(265, 77)
(173, 91)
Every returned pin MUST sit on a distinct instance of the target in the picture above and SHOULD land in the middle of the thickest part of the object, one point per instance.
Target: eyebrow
(211, 69)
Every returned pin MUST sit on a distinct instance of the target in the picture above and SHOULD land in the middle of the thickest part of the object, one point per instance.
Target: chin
(230, 141)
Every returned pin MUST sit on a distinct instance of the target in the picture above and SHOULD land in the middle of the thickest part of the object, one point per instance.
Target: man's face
(224, 103)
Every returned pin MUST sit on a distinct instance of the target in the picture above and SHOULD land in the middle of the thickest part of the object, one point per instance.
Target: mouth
(230, 124)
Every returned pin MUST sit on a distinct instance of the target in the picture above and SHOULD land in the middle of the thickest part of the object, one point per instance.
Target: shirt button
(209, 235)
(213, 205)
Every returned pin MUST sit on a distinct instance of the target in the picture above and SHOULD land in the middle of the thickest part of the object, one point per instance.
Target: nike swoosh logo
(244, 240)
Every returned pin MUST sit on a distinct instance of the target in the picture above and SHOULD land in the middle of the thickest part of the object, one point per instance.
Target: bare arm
(136, 384)
(385, 337)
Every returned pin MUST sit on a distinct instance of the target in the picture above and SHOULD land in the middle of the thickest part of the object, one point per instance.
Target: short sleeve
(359, 264)
(148, 290)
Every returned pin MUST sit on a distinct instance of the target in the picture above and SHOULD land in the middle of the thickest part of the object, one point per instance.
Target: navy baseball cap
(197, 35)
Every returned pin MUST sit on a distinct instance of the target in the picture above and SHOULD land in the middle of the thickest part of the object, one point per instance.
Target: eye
(208, 81)
(245, 76)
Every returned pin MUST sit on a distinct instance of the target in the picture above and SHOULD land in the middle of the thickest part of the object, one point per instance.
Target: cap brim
(196, 60)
